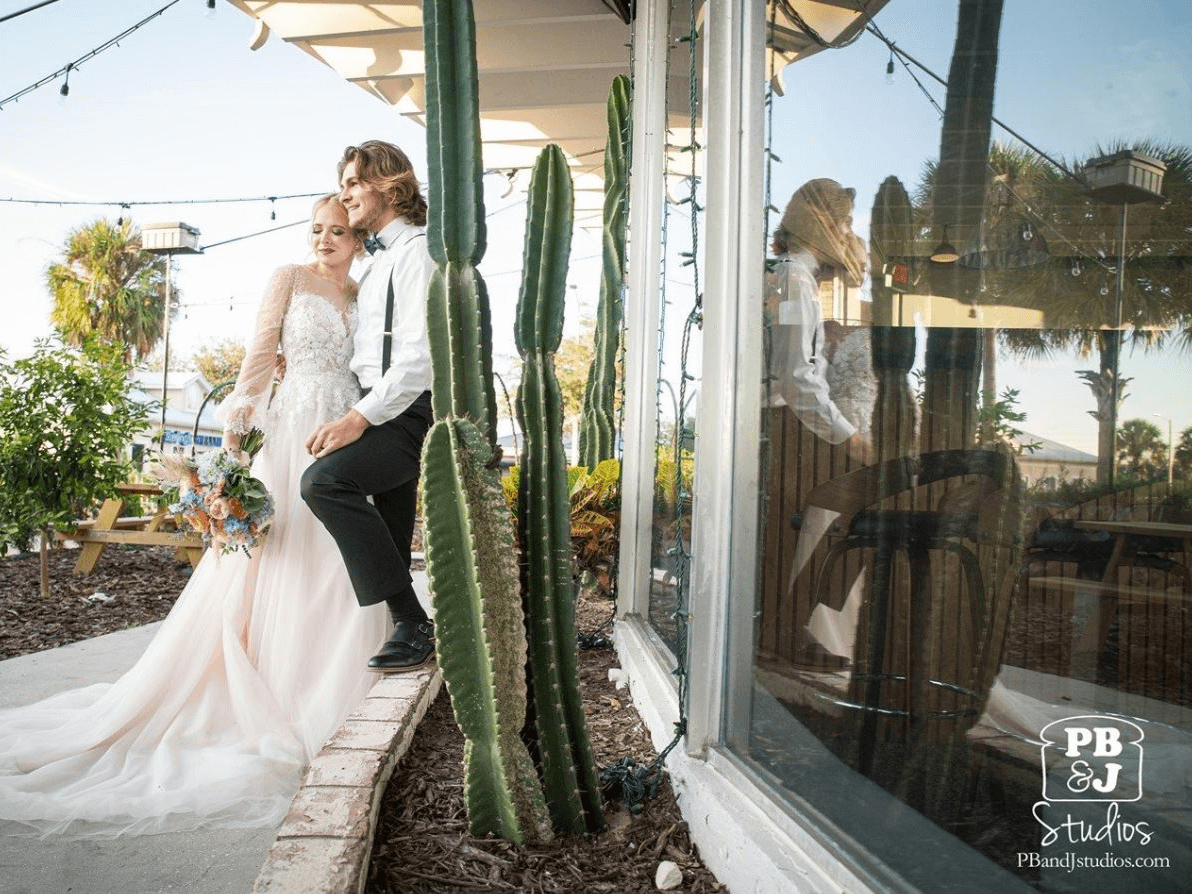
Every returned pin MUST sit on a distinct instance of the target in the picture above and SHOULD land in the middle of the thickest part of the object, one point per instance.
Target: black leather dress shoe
(410, 647)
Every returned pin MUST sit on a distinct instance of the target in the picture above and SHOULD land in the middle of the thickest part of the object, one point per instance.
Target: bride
(261, 658)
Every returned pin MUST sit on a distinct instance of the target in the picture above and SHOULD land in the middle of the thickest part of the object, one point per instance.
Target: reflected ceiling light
(945, 252)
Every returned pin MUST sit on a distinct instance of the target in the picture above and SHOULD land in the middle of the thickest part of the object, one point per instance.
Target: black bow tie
(373, 245)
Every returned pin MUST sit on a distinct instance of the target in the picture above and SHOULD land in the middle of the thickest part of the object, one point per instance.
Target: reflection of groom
(374, 449)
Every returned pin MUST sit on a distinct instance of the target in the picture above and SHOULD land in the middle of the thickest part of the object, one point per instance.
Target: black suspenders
(387, 343)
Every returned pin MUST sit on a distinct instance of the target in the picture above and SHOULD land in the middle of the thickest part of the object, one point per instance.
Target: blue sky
(182, 109)
(1072, 74)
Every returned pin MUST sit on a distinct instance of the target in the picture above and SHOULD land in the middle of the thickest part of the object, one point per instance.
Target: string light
(890, 68)
(65, 70)
(908, 60)
(128, 205)
(272, 199)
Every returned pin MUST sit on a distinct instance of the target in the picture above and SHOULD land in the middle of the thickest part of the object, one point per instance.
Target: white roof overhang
(545, 66)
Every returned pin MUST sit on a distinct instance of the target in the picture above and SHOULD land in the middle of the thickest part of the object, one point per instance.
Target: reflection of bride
(261, 658)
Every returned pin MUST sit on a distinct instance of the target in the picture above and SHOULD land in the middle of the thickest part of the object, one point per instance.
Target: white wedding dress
(258, 662)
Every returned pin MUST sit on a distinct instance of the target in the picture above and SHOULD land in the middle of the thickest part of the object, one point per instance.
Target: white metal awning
(545, 66)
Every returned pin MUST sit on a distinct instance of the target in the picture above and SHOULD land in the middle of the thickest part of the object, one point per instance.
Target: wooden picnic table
(1130, 538)
(109, 526)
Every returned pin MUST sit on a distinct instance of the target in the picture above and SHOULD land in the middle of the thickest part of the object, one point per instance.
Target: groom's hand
(338, 433)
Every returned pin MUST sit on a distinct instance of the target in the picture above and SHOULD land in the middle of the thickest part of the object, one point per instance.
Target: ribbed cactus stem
(463, 381)
(457, 312)
(470, 555)
(480, 630)
(559, 729)
(597, 433)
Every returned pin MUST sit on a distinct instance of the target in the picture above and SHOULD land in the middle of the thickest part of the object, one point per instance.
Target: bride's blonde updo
(359, 232)
(387, 169)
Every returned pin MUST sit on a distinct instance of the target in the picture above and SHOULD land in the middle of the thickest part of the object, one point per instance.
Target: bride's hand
(238, 455)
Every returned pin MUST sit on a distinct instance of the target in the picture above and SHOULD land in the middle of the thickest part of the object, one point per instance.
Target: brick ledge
(325, 842)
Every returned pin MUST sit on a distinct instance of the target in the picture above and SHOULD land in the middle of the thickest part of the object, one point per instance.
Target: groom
(374, 449)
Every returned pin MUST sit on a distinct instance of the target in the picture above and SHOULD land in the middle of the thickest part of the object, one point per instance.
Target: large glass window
(974, 588)
(679, 340)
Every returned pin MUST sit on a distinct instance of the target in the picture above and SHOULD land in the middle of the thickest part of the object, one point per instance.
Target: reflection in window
(679, 341)
(977, 485)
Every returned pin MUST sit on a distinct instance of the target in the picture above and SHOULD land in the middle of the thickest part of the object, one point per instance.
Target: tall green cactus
(597, 433)
(559, 730)
(458, 300)
(480, 631)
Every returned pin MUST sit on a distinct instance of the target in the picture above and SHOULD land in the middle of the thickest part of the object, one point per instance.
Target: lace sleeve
(244, 409)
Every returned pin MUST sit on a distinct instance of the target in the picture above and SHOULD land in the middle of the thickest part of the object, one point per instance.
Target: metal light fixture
(168, 239)
(945, 252)
(1123, 178)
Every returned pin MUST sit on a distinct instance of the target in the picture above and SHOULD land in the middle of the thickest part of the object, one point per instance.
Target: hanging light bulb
(210, 9)
(273, 208)
(64, 90)
(890, 69)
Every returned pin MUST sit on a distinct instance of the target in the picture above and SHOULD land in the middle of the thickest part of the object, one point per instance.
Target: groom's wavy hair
(387, 169)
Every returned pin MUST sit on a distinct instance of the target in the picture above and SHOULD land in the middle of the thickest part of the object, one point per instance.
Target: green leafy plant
(595, 511)
(66, 422)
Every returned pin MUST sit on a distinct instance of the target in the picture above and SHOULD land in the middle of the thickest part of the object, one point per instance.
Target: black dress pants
(373, 536)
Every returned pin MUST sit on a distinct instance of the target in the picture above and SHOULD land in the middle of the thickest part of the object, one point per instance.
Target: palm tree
(1076, 288)
(1043, 243)
(957, 201)
(1141, 451)
(106, 286)
(1183, 455)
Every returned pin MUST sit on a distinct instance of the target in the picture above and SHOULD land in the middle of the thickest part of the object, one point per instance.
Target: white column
(725, 529)
(644, 270)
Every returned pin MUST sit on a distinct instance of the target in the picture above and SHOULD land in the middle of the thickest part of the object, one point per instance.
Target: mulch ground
(422, 844)
(129, 587)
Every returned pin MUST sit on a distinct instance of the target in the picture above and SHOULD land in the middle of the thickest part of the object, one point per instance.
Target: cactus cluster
(557, 728)
(597, 434)
(480, 630)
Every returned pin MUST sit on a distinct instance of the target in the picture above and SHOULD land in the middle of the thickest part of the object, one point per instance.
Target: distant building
(1053, 462)
(185, 395)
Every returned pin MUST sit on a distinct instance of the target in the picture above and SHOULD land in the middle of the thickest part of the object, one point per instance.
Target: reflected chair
(929, 638)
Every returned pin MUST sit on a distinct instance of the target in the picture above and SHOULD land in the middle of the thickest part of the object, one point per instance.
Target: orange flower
(198, 521)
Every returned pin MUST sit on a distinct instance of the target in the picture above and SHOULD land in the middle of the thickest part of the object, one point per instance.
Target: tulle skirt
(256, 665)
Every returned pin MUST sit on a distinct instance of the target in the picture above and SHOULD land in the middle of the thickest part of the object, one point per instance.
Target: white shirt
(797, 363)
(406, 261)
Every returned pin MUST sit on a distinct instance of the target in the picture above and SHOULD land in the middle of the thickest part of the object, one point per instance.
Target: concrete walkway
(213, 862)
(216, 861)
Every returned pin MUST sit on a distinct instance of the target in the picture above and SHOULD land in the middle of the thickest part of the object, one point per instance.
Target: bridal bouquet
(219, 498)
